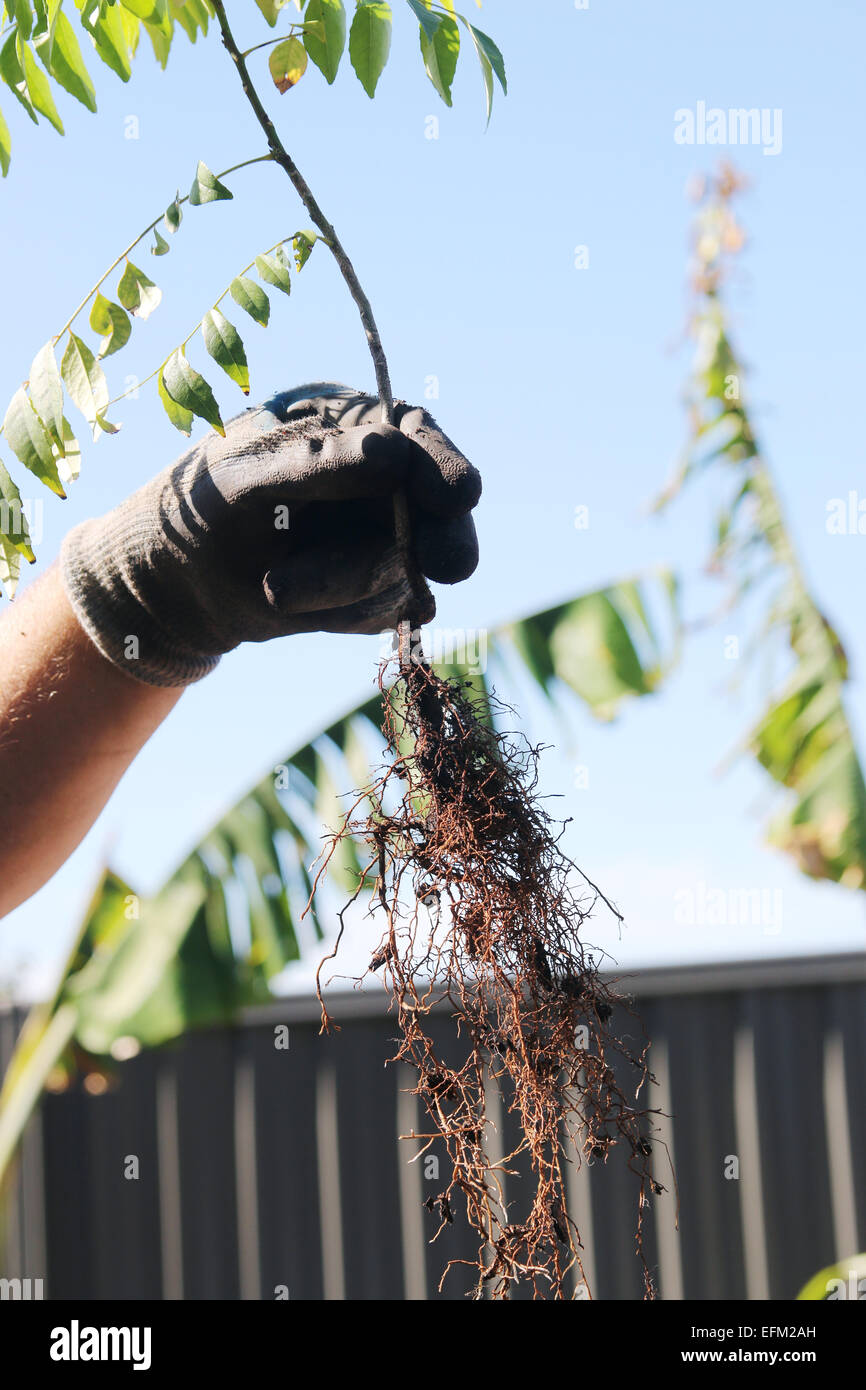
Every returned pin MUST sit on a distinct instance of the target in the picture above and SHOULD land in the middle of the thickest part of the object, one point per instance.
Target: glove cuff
(117, 618)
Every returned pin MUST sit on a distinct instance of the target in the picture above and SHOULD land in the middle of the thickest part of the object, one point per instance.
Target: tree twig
(282, 157)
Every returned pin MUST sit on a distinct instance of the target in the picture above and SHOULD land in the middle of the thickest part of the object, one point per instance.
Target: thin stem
(259, 159)
(269, 43)
(282, 157)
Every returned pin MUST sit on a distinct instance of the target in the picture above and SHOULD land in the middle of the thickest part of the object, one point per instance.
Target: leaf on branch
(60, 55)
(5, 146)
(287, 64)
(493, 54)
(46, 392)
(223, 342)
(69, 461)
(440, 56)
(252, 298)
(173, 215)
(137, 293)
(22, 13)
(190, 390)
(161, 246)
(180, 418)
(38, 87)
(110, 39)
(112, 323)
(206, 187)
(13, 522)
(30, 441)
(12, 73)
(327, 52)
(303, 243)
(271, 10)
(426, 18)
(491, 61)
(10, 566)
(370, 43)
(274, 270)
(191, 15)
(85, 381)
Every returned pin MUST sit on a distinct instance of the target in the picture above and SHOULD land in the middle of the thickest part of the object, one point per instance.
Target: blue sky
(564, 386)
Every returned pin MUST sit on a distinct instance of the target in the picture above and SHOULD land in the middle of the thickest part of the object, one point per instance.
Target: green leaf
(30, 441)
(112, 323)
(38, 87)
(426, 18)
(60, 54)
(13, 522)
(137, 293)
(223, 342)
(274, 271)
(440, 56)
(69, 457)
(22, 12)
(12, 74)
(191, 15)
(485, 45)
(5, 146)
(110, 39)
(190, 390)
(173, 215)
(271, 10)
(46, 392)
(302, 244)
(287, 64)
(594, 653)
(326, 53)
(161, 247)
(85, 381)
(370, 43)
(206, 187)
(10, 565)
(142, 9)
(486, 71)
(252, 298)
(180, 418)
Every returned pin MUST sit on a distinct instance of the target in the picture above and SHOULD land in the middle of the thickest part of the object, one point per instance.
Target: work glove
(285, 525)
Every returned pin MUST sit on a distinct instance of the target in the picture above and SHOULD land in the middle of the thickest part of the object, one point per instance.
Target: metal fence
(229, 1166)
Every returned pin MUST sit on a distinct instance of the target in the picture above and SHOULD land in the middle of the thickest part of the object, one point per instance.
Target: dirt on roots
(484, 914)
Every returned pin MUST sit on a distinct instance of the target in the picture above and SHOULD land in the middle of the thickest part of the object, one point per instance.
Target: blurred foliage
(803, 738)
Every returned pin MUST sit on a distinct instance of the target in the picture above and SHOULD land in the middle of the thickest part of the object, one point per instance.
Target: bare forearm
(70, 724)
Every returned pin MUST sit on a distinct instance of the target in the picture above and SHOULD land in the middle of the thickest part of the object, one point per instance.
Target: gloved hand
(284, 526)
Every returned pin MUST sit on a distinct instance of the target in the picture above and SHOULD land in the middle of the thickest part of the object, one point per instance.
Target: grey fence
(229, 1167)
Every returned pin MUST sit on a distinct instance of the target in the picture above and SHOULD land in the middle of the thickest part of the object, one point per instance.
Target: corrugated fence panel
(264, 1162)
(289, 1221)
(788, 1031)
(699, 1041)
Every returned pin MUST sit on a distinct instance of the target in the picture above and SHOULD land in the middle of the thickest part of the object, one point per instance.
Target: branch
(259, 159)
(282, 157)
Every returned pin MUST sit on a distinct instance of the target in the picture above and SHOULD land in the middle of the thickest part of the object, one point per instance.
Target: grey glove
(284, 526)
